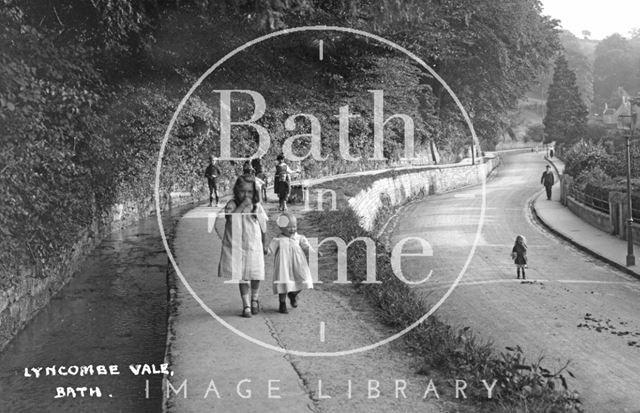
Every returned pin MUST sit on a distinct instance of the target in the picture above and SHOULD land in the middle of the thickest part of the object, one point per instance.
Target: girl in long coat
(519, 255)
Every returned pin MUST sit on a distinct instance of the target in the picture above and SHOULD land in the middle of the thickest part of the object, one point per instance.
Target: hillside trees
(495, 59)
(88, 87)
(488, 53)
(566, 117)
(580, 61)
(616, 64)
(579, 54)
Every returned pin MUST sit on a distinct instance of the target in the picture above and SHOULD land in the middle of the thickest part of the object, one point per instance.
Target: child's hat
(284, 219)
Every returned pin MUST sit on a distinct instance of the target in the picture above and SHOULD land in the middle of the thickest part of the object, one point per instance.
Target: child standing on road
(242, 256)
(291, 270)
(519, 255)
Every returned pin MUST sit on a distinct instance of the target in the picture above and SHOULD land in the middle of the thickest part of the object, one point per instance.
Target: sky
(601, 17)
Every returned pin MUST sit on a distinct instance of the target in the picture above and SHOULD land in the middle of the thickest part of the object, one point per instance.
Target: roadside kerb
(563, 235)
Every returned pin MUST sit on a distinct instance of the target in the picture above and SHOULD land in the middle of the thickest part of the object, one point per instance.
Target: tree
(489, 53)
(580, 61)
(566, 117)
(615, 65)
(579, 55)
(86, 88)
(586, 34)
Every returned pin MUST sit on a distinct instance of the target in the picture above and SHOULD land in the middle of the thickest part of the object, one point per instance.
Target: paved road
(572, 307)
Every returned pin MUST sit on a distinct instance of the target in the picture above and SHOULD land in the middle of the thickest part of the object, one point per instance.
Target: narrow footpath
(561, 221)
(221, 370)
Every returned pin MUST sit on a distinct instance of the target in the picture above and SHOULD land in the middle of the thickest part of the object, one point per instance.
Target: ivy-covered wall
(33, 286)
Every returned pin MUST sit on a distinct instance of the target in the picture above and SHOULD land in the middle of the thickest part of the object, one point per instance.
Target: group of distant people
(281, 182)
(291, 269)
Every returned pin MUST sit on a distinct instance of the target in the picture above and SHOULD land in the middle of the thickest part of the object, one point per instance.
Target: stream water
(112, 313)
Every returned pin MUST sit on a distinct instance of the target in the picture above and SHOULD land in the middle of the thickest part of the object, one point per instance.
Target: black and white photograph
(319, 206)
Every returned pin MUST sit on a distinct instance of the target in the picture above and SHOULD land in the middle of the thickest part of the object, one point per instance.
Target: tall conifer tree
(566, 118)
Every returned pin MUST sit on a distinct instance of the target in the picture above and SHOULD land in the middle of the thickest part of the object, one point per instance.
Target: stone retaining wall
(598, 219)
(614, 223)
(395, 190)
(34, 286)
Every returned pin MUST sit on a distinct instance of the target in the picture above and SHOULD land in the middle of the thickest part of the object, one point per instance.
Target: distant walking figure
(282, 182)
(212, 173)
(547, 180)
(519, 255)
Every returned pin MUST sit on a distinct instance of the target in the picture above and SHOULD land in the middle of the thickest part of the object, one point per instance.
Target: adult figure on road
(547, 180)
(212, 173)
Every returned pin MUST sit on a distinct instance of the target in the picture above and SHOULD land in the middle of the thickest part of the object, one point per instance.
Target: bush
(595, 177)
(584, 157)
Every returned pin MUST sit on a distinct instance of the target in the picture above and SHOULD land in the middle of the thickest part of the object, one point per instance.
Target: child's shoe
(246, 313)
(283, 308)
(293, 297)
(255, 306)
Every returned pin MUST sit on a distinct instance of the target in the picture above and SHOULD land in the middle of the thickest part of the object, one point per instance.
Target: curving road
(572, 307)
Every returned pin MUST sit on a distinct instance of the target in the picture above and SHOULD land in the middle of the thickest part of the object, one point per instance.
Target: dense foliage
(566, 116)
(584, 157)
(616, 64)
(48, 100)
(601, 69)
(579, 55)
(72, 144)
(87, 89)
(598, 170)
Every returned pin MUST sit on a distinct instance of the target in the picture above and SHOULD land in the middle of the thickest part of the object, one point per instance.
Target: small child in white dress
(291, 269)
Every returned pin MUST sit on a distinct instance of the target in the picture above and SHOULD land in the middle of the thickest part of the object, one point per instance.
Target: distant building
(608, 116)
(613, 117)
